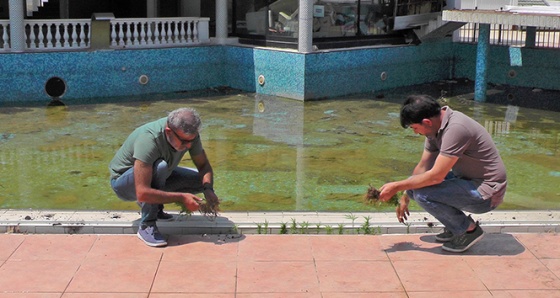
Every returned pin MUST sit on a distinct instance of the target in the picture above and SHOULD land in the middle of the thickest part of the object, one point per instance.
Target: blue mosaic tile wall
(117, 73)
(540, 68)
(285, 73)
(367, 70)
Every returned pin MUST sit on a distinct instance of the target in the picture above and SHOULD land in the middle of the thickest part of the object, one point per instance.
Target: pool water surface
(271, 153)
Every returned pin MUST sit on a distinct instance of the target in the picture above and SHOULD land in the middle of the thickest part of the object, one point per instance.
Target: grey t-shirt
(479, 160)
(148, 143)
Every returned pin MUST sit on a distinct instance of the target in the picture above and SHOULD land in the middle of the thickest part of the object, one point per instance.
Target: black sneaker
(164, 216)
(151, 236)
(444, 236)
(463, 242)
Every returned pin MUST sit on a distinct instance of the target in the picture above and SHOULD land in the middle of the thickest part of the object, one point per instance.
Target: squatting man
(460, 170)
(145, 169)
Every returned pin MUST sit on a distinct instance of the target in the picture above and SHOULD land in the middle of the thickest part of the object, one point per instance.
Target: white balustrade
(158, 32)
(57, 34)
(137, 33)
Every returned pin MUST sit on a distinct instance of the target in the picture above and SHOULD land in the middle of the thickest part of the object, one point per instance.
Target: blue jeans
(447, 201)
(180, 180)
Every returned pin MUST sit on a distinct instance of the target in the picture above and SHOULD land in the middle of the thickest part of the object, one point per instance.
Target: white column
(151, 8)
(17, 26)
(221, 21)
(64, 9)
(305, 36)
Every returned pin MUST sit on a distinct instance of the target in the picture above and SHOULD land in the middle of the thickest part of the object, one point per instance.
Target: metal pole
(482, 63)
(305, 36)
(17, 26)
(531, 37)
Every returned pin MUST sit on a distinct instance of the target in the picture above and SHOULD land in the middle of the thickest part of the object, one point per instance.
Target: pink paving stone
(509, 274)
(346, 247)
(203, 276)
(448, 294)
(412, 247)
(526, 294)
(542, 245)
(197, 247)
(277, 277)
(123, 247)
(357, 276)
(444, 274)
(37, 275)
(104, 295)
(10, 242)
(276, 248)
(366, 295)
(280, 295)
(114, 276)
(54, 247)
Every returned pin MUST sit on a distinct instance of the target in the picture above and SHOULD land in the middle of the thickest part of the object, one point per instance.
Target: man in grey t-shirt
(146, 169)
(460, 170)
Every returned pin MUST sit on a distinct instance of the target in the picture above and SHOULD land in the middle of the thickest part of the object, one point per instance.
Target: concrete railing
(57, 34)
(76, 34)
(158, 32)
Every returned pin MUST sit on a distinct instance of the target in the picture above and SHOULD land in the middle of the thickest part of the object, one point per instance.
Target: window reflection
(333, 18)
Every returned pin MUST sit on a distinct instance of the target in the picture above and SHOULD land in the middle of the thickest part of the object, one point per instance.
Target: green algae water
(272, 154)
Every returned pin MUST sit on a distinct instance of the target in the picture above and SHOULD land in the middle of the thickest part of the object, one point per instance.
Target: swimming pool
(270, 153)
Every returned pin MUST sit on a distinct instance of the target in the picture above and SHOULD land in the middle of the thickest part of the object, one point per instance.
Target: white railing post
(121, 34)
(189, 32)
(203, 29)
(195, 32)
(74, 35)
(41, 35)
(5, 36)
(142, 33)
(65, 35)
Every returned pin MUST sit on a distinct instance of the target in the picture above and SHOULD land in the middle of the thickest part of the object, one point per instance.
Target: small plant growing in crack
(283, 228)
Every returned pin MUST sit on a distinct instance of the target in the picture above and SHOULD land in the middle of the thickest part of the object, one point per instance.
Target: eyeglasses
(183, 141)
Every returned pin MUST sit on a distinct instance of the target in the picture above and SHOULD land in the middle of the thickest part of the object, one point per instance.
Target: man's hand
(388, 190)
(211, 197)
(191, 201)
(402, 209)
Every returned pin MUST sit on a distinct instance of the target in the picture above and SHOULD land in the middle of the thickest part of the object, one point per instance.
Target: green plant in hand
(372, 196)
(206, 208)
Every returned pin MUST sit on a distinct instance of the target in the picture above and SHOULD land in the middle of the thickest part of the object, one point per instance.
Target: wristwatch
(207, 186)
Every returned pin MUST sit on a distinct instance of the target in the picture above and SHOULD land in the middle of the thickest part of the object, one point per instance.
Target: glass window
(334, 18)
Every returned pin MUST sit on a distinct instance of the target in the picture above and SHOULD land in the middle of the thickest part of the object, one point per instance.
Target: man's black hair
(418, 107)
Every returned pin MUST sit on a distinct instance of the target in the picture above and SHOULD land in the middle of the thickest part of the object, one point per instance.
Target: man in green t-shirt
(145, 169)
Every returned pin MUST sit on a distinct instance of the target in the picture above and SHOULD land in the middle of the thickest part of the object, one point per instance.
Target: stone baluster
(195, 32)
(169, 33)
(57, 36)
(149, 33)
(134, 28)
(142, 33)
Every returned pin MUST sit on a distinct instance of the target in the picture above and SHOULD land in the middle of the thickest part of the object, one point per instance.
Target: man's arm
(422, 176)
(206, 175)
(204, 168)
(147, 194)
(426, 162)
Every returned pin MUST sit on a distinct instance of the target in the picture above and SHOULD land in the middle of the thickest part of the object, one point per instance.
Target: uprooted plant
(372, 196)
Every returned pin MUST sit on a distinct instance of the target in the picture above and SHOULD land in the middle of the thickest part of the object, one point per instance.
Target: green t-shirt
(148, 143)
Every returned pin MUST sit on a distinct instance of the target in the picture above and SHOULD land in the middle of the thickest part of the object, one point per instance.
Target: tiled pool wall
(117, 73)
(540, 67)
